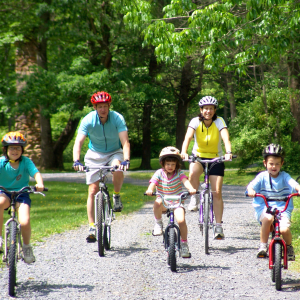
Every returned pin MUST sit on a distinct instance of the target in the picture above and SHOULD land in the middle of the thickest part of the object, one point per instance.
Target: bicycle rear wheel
(172, 250)
(100, 227)
(278, 266)
(12, 258)
(107, 227)
(206, 222)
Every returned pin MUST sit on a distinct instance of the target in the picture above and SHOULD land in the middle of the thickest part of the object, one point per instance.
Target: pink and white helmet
(208, 100)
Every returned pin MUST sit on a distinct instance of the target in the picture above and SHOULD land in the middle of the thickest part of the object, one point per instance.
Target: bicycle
(171, 235)
(298, 179)
(206, 212)
(103, 210)
(277, 244)
(13, 241)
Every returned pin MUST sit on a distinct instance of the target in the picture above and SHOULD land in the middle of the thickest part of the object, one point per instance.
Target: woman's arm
(188, 137)
(225, 137)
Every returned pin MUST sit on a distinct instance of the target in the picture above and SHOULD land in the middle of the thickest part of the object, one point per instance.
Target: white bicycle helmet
(208, 100)
(273, 150)
(169, 152)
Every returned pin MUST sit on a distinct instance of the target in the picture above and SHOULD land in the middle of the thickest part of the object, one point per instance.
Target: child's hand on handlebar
(251, 192)
(39, 187)
(192, 191)
(149, 192)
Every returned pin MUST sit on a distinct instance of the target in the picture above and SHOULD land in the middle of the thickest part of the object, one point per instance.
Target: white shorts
(94, 159)
(284, 221)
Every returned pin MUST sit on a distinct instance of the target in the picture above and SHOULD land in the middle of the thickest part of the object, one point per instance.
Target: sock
(219, 224)
(159, 221)
(183, 241)
(264, 244)
(116, 193)
(92, 225)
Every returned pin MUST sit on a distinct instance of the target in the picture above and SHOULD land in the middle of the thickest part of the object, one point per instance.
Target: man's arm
(76, 150)
(123, 135)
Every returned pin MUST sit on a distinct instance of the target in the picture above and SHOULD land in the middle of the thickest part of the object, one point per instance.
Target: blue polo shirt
(15, 179)
(103, 137)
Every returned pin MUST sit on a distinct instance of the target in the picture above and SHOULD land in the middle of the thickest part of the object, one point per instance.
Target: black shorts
(217, 170)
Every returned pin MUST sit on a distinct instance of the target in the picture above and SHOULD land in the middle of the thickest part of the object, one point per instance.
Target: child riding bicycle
(273, 183)
(15, 172)
(167, 181)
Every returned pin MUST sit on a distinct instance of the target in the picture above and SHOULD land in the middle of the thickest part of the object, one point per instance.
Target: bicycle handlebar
(193, 158)
(25, 189)
(172, 198)
(108, 168)
(286, 199)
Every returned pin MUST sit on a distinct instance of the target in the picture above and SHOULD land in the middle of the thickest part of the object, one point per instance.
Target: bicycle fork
(166, 233)
(18, 239)
(201, 212)
(277, 239)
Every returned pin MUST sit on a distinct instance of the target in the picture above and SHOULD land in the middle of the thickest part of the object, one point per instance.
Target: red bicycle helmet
(101, 97)
(14, 138)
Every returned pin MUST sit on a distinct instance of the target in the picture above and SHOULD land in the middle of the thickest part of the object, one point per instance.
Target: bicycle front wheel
(100, 227)
(172, 250)
(12, 258)
(277, 266)
(107, 225)
(206, 222)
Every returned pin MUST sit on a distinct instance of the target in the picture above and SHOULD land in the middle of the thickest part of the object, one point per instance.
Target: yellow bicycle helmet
(14, 138)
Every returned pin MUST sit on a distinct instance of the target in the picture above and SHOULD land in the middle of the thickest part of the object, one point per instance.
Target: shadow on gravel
(233, 250)
(124, 252)
(41, 289)
(291, 285)
(185, 268)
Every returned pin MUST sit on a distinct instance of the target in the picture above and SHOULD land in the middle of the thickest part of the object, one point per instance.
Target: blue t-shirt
(103, 137)
(15, 179)
(282, 186)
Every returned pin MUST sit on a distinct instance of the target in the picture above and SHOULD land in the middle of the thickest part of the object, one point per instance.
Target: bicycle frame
(276, 236)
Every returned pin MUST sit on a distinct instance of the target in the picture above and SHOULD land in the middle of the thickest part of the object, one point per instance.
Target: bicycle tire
(12, 259)
(277, 266)
(107, 227)
(100, 226)
(298, 179)
(273, 270)
(172, 250)
(206, 222)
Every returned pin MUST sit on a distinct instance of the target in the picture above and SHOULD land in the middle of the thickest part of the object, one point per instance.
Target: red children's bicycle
(277, 247)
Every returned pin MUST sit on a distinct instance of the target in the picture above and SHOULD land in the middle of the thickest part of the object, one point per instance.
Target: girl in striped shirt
(168, 181)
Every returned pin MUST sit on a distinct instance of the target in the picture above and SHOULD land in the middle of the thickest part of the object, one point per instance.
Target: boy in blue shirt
(15, 172)
(273, 183)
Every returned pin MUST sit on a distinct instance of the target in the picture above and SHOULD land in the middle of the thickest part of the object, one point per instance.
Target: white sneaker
(91, 238)
(262, 251)
(184, 250)
(219, 234)
(28, 254)
(158, 229)
(193, 205)
(290, 253)
(117, 203)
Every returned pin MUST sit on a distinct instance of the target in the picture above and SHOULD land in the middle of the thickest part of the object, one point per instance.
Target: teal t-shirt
(15, 179)
(103, 137)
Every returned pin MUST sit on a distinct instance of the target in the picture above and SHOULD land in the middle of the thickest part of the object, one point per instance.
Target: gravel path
(136, 268)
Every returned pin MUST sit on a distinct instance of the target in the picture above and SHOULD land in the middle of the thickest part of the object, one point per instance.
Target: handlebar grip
(46, 189)
(234, 156)
(153, 194)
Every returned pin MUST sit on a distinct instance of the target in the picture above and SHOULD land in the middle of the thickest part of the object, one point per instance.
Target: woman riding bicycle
(15, 172)
(207, 130)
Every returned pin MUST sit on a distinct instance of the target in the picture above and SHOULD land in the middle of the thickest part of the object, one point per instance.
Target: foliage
(254, 128)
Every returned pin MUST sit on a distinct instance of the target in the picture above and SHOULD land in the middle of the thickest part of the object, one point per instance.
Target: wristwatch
(228, 152)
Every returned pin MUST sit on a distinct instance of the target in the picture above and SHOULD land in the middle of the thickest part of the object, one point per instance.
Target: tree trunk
(294, 84)
(29, 124)
(147, 111)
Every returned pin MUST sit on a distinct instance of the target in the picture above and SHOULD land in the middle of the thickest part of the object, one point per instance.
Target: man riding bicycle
(107, 132)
